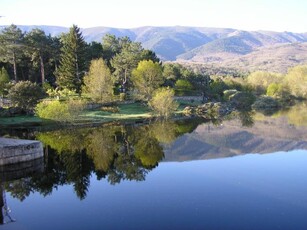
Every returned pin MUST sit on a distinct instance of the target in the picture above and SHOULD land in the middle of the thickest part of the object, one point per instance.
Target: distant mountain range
(266, 50)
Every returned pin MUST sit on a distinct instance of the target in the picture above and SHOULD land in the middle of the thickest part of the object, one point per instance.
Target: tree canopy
(99, 83)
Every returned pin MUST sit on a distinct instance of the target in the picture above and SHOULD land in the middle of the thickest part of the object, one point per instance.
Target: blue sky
(276, 15)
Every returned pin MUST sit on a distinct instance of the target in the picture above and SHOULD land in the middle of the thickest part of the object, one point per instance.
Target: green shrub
(163, 102)
(265, 102)
(25, 95)
(242, 100)
(59, 111)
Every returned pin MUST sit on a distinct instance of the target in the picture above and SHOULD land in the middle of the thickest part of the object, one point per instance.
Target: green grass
(126, 112)
(25, 120)
(185, 103)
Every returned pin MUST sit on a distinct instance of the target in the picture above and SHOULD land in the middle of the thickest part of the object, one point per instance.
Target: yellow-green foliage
(260, 80)
(296, 79)
(278, 90)
(146, 78)
(102, 147)
(164, 131)
(61, 94)
(148, 150)
(59, 111)
(98, 83)
(4, 80)
(163, 102)
(67, 140)
(183, 84)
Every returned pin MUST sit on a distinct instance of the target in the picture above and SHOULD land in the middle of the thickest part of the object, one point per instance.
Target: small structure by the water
(14, 150)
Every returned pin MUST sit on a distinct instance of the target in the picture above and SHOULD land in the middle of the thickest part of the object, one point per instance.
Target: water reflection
(116, 153)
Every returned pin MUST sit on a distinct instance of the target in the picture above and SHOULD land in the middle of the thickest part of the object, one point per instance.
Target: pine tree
(72, 61)
(11, 46)
(39, 49)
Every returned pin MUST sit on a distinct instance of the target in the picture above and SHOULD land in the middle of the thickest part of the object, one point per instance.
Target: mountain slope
(207, 45)
(277, 58)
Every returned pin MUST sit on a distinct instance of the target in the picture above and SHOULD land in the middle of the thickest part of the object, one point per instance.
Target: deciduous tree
(163, 102)
(99, 83)
(147, 77)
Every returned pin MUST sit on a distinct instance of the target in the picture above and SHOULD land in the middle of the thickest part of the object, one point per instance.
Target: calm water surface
(177, 175)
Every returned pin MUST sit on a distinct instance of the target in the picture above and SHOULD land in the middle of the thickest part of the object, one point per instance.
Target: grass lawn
(126, 112)
(27, 120)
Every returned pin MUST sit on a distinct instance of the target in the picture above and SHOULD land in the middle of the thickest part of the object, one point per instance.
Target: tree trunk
(15, 66)
(124, 82)
(42, 68)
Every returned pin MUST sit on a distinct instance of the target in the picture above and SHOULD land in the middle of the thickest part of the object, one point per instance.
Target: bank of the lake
(125, 112)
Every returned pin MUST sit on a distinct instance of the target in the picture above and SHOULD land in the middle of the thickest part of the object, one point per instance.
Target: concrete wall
(14, 150)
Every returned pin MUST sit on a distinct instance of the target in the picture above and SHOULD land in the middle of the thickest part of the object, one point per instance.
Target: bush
(4, 80)
(242, 100)
(183, 85)
(122, 96)
(297, 81)
(265, 102)
(25, 95)
(280, 91)
(59, 111)
(163, 102)
(260, 80)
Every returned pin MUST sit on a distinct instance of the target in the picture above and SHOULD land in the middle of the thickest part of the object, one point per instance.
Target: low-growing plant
(111, 109)
(59, 111)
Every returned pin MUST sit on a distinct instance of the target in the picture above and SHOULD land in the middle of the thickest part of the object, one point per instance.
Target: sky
(274, 15)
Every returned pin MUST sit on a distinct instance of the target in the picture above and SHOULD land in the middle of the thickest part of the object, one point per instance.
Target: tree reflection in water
(114, 153)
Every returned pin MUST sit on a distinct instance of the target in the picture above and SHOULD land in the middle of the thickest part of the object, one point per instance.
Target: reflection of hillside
(230, 139)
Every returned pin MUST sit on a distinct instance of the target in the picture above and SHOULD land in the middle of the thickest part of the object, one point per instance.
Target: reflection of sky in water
(246, 192)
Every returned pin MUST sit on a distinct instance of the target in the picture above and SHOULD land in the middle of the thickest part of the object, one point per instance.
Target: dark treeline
(64, 60)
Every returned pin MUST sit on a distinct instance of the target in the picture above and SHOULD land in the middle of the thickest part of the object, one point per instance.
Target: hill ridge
(197, 44)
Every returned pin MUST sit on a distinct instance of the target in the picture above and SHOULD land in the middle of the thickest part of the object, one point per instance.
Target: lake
(246, 172)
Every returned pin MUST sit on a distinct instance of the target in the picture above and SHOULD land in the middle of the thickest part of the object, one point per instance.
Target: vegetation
(25, 95)
(99, 83)
(74, 73)
(72, 60)
(296, 79)
(147, 77)
(163, 103)
(59, 111)
(4, 81)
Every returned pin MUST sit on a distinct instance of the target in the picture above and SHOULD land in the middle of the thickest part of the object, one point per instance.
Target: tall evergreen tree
(72, 61)
(39, 49)
(11, 46)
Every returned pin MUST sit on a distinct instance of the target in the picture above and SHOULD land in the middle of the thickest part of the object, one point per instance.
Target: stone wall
(15, 150)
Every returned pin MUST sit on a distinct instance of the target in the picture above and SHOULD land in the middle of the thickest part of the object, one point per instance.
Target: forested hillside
(209, 45)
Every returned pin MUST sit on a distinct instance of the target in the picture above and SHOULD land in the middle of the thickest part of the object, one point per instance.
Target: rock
(242, 100)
